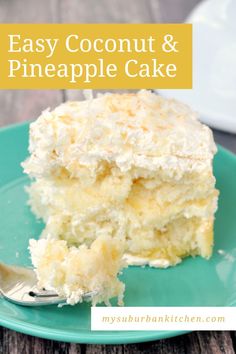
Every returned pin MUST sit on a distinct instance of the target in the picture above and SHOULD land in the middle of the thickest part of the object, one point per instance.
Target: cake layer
(115, 187)
(72, 272)
(139, 215)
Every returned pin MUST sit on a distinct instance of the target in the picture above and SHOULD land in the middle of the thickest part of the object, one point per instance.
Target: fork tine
(43, 293)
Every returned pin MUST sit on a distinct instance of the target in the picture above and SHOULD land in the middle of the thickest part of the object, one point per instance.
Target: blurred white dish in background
(214, 64)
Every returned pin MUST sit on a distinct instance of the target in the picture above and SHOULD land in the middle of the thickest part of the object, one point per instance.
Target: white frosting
(142, 261)
(140, 130)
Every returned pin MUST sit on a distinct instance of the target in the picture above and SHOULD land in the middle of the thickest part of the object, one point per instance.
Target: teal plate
(194, 282)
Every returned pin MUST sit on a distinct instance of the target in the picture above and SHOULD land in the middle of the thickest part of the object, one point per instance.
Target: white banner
(162, 318)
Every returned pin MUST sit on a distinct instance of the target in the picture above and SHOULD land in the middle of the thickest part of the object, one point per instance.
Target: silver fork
(19, 285)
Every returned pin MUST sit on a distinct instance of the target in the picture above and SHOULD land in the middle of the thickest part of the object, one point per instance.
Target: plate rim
(88, 338)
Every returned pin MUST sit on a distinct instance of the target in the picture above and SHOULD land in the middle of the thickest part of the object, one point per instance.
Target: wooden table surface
(24, 105)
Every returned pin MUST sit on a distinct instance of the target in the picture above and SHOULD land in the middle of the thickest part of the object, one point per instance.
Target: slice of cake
(73, 272)
(136, 167)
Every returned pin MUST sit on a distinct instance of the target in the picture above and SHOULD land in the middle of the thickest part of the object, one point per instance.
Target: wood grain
(219, 342)
(173, 11)
(24, 105)
(104, 11)
(28, 11)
